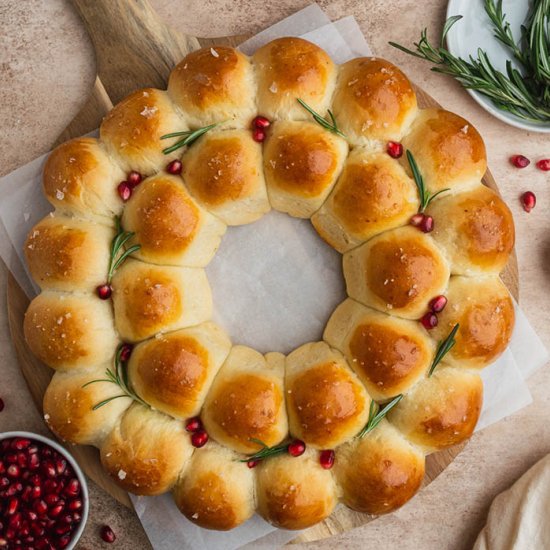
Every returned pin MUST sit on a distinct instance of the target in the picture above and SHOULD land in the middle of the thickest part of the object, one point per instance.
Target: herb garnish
(425, 197)
(120, 239)
(265, 451)
(376, 414)
(330, 126)
(443, 348)
(189, 136)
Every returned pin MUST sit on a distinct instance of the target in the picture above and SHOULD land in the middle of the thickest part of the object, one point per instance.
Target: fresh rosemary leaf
(443, 348)
(265, 451)
(117, 258)
(376, 414)
(189, 136)
(423, 194)
(330, 126)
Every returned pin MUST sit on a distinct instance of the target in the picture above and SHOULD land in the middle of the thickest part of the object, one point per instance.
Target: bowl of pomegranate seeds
(43, 494)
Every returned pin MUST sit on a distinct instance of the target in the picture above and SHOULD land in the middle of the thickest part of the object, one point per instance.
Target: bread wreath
(330, 398)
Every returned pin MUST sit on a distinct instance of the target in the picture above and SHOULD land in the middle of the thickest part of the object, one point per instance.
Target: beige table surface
(46, 69)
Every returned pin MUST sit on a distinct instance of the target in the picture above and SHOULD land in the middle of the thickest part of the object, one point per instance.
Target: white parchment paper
(274, 284)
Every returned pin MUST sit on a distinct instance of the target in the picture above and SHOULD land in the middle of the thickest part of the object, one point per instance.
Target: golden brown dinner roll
(132, 130)
(397, 272)
(449, 151)
(149, 299)
(68, 331)
(301, 164)
(373, 100)
(246, 402)
(294, 492)
(440, 411)
(146, 451)
(475, 229)
(372, 195)
(380, 472)
(170, 227)
(69, 405)
(174, 372)
(68, 254)
(213, 85)
(216, 491)
(223, 171)
(387, 353)
(79, 176)
(485, 312)
(326, 402)
(290, 68)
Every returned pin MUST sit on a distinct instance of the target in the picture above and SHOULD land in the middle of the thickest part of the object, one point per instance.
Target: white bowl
(474, 31)
(84, 487)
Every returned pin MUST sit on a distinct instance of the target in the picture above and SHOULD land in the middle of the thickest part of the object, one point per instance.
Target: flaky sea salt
(214, 52)
(148, 112)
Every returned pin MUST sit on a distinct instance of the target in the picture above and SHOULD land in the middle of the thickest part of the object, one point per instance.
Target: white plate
(474, 31)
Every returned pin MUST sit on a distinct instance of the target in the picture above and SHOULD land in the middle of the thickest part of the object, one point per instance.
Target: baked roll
(246, 402)
(372, 195)
(223, 171)
(327, 405)
(397, 272)
(170, 227)
(148, 299)
(173, 372)
(388, 354)
(301, 164)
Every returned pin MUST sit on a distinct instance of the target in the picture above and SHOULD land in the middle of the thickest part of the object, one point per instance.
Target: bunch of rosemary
(524, 92)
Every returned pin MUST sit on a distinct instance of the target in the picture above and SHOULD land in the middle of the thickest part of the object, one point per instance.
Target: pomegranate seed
(124, 190)
(199, 439)
(11, 458)
(107, 534)
(544, 165)
(37, 529)
(519, 161)
(175, 167)
(3, 542)
(261, 122)
(1, 404)
(13, 489)
(258, 135)
(66, 518)
(429, 320)
(62, 529)
(34, 461)
(134, 178)
(73, 488)
(31, 516)
(125, 352)
(40, 507)
(437, 304)
(528, 200)
(33, 449)
(13, 470)
(15, 522)
(104, 291)
(50, 486)
(19, 444)
(394, 149)
(427, 225)
(252, 463)
(48, 469)
(63, 541)
(296, 448)
(51, 499)
(417, 220)
(61, 466)
(56, 510)
(326, 459)
(75, 504)
(12, 506)
(193, 424)
(77, 516)
(36, 491)
(4, 482)
(26, 495)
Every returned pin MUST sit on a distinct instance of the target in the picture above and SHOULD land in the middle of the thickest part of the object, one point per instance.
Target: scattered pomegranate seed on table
(429, 320)
(394, 149)
(107, 534)
(193, 424)
(326, 459)
(261, 122)
(104, 291)
(134, 178)
(296, 447)
(544, 165)
(528, 201)
(437, 304)
(258, 134)
(519, 161)
(175, 167)
(199, 439)
(124, 190)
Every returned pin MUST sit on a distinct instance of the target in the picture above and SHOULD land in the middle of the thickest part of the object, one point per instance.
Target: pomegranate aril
(33, 449)
(62, 529)
(394, 149)
(107, 534)
(11, 458)
(296, 447)
(175, 167)
(252, 463)
(73, 488)
(51, 499)
(134, 178)
(36, 491)
(429, 320)
(63, 541)
(258, 134)
(193, 424)
(50, 486)
(199, 439)
(66, 518)
(326, 459)
(124, 190)
(126, 352)
(4, 482)
(60, 466)
(417, 220)
(13, 470)
(77, 516)
(427, 225)
(13, 489)
(48, 469)
(20, 443)
(519, 161)
(104, 291)
(437, 304)
(56, 510)
(40, 507)
(37, 529)
(528, 201)
(75, 504)
(27, 493)
(34, 461)
(15, 523)
(31, 516)
(544, 164)
(3, 542)
(261, 122)
(12, 506)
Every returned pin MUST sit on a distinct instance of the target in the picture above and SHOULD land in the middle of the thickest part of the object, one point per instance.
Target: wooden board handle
(133, 46)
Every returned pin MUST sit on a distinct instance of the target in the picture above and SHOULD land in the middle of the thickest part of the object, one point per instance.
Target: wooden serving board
(135, 49)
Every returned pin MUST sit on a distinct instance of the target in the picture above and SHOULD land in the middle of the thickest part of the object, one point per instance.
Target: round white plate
(473, 31)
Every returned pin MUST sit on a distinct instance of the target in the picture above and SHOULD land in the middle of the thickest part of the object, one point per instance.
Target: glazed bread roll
(440, 411)
(148, 299)
(217, 491)
(173, 372)
(68, 254)
(475, 229)
(223, 171)
(485, 312)
(292, 68)
(69, 406)
(79, 176)
(327, 405)
(397, 272)
(247, 401)
(372, 195)
(70, 331)
(380, 472)
(146, 451)
(214, 85)
(388, 354)
(294, 492)
(170, 227)
(449, 151)
(373, 101)
(301, 164)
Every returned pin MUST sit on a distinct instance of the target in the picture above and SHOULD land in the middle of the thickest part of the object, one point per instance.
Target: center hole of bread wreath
(275, 283)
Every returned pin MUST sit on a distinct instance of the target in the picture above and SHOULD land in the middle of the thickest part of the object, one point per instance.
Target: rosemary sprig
(116, 258)
(118, 376)
(189, 137)
(265, 451)
(330, 126)
(425, 197)
(443, 348)
(376, 414)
